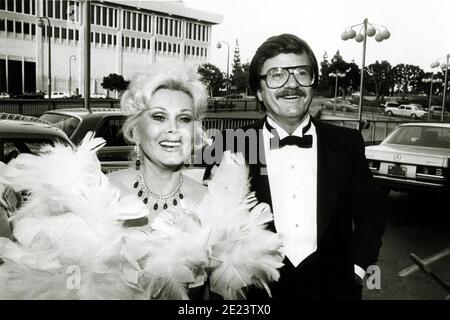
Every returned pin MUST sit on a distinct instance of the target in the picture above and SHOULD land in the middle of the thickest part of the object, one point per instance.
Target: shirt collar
(298, 132)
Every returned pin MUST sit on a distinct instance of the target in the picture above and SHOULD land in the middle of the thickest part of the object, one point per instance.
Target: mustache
(290, 92)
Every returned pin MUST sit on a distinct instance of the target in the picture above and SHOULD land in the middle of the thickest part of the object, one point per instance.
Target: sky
(420, 30)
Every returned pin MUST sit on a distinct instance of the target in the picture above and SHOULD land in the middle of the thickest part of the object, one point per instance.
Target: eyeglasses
(277, 77)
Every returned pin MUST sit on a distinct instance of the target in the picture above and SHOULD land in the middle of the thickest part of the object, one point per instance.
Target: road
(418, 224)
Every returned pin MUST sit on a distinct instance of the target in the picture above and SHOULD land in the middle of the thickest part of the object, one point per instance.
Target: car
(30, 95)
(105, 122)
(25, 134)
(342, 104)
(58, 95)
(98, 95)
(4, 95)
(391, 104)
(413, 111)
(414, 156)
(435, 111)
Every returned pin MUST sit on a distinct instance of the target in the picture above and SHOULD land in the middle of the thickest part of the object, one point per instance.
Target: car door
(399, 111)
(408, 111)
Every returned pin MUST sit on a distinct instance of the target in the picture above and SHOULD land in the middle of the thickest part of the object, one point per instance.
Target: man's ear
(258, 94)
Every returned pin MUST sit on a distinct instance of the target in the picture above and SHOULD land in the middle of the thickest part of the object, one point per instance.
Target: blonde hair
(174, 76)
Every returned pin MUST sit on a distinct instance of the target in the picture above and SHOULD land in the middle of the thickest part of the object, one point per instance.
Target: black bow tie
(301, 142)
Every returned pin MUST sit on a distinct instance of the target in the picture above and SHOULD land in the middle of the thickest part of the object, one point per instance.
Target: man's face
(289, 104)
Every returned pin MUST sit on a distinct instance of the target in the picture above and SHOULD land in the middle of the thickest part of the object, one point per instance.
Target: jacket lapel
(329, 169)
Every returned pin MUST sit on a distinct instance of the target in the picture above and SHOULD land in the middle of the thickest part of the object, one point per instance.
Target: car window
(111, 131)
(421, 136)
(66, 123)
(408, 108)
(401, 107)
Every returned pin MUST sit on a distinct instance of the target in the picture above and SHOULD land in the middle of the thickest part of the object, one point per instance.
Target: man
(315, 178)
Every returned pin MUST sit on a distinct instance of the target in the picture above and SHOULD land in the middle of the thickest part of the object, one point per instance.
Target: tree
(324, 71)
(407, 78)
(115, 82)
(238, 77)
(379, 77)
(212, 77)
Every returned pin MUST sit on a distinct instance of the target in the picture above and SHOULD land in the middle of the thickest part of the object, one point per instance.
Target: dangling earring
(138, 156)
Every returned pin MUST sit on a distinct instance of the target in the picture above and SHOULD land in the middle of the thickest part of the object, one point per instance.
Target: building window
(103, 38)
(109, 39)
(70, 34)
(128, 20)
(19, 6)
(18, 27)
(133, 43)
(10, 26)
(2, 5)
(115, 40)
(134, 21)
(33, 7)
(144, 42)
(138, 43)
(57, 9)
(111, 17)
(2, 24)
(104, 16)
(77, 35)
(97, 37)
(26, 7)
(127, 42)
(64, 33)
(64, 9)
(50, 8)
(33, 29)
(10, 5)
(57, 32)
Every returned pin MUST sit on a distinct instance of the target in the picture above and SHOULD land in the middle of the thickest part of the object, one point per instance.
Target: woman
(164, 107)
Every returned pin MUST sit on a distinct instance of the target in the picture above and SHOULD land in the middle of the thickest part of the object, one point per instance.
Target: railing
(36, 107)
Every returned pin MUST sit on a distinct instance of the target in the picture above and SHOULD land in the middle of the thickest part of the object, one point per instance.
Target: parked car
(24, 134)
(98, 95)
(413, 111)
(414, 156)
(30, 95)
(4, 95)
(435, 111)
(391, 104)
(342, 104)
(58, 95)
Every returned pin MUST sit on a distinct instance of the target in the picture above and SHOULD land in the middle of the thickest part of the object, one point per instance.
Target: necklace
(145, 193)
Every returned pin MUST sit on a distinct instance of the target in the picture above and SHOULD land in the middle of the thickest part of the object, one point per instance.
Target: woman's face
(166, 130)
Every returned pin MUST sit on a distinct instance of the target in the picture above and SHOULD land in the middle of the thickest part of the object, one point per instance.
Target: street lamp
(446, 67)
(367, 29)
(72, 57)
(336, 75)
(431, 81)
(41, 24)
(219, 45)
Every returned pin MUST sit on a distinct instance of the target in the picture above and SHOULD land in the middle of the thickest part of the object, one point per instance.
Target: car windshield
(10, 148)
(419, 107)
(421, 136)
(66, 123)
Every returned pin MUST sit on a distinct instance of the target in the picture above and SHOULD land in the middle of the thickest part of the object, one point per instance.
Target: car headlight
(373, 164)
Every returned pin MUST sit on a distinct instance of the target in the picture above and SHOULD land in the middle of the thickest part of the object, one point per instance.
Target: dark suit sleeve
(369, 211)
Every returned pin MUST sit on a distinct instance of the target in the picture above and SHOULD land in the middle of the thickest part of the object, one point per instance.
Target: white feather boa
(71, 245)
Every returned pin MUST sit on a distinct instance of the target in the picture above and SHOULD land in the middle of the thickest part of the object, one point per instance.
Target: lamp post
(367, 29)
(41, 24)
(336, 75)
(431, 81)
(72, 57)
(219, 45)
(446, 67)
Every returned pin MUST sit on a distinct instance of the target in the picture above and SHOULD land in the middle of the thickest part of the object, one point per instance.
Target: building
(125, 36)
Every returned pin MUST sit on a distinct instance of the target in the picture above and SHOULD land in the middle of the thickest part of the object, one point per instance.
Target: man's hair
(283, 43)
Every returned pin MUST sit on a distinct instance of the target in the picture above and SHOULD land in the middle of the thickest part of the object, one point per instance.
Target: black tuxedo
(349, 223)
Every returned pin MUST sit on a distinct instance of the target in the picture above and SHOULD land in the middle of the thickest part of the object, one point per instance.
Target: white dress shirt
(292, 173)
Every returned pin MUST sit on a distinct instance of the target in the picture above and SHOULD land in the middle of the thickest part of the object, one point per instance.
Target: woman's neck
(160, 180)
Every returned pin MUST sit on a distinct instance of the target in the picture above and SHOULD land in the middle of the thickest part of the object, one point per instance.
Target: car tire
(344, 109)
(390, 114)
(413, 116)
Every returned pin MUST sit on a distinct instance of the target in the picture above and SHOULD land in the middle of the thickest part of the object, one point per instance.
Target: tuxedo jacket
(350, 218)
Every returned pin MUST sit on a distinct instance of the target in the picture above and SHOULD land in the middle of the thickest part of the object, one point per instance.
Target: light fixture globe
(434, 64)
(351, 34)
(344, 36)
(371, 31)
(386, 34)
(219, 45)
(443, 66)
(379, 37)
(40, 23)
(359, 37)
